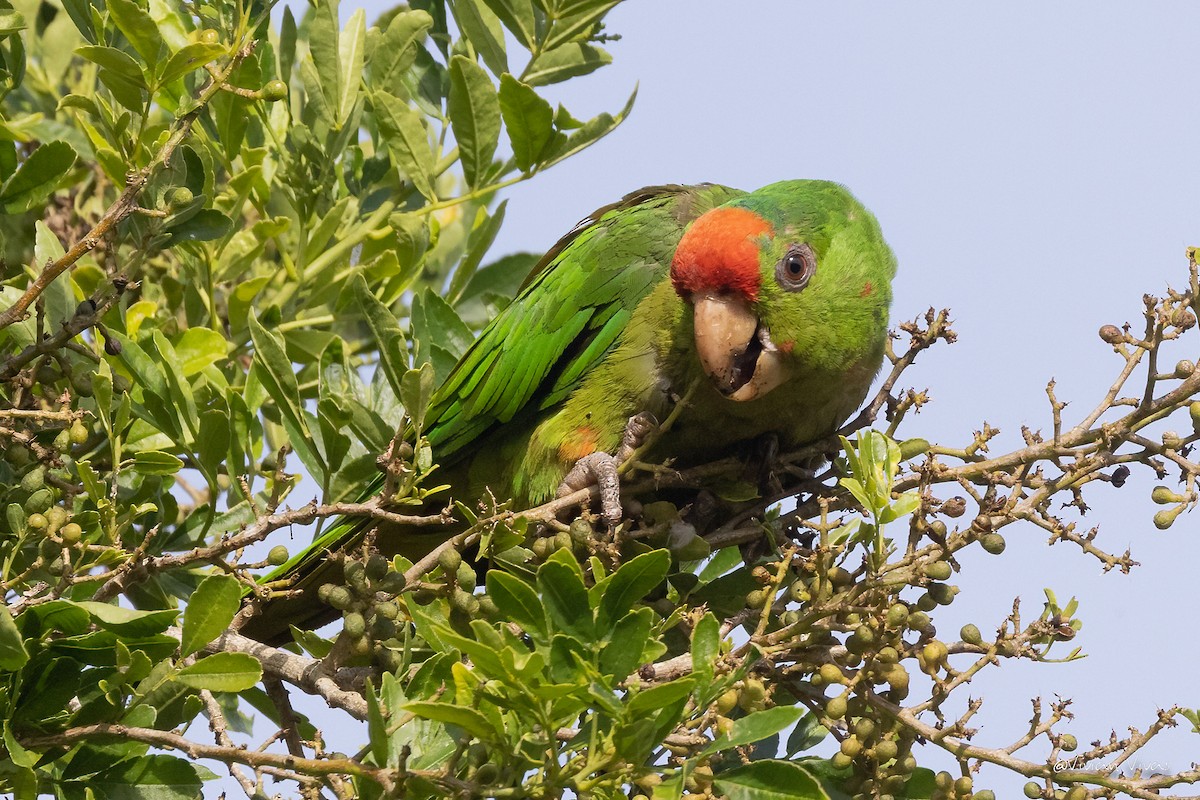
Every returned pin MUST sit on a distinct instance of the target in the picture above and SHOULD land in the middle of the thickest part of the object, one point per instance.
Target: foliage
(231, 238)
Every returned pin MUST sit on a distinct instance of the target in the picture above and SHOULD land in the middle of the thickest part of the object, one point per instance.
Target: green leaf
(474, 110)
(416, 389)
(661, 696)
(468, 719)
(626, 644)
(808, 733)
(188, 58)
(204, 226)
(706, 648)
(199, 347)
(769, 780)
(13, 655)
(128, 621)
(322, 24)
(351, 49)
(569, 60)
(37, 177)
(482, 28)
(518, 17)
(139, 28)
(629, 584)
(222, 672)
(517, 602)
(577, 25)
(528, 118)
(565, 598)
(757, 726)
(397, 48)
(479, 241)
(149, 777)
(11, 22)
(209, 611)
(115, 61)
(407, 142)
(156, 462)
(393, 351)
(279, 380)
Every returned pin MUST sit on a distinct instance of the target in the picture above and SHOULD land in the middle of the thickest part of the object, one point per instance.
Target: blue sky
(1035, 168)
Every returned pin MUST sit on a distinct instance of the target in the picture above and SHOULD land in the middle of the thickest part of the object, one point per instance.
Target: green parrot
(771, 306)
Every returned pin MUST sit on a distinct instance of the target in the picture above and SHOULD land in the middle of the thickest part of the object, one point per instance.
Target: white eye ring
(796, 268)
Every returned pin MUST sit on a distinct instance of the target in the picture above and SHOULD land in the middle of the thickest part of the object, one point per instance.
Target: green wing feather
(567, 315)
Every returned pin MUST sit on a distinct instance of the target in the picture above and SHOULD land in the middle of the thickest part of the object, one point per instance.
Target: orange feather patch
(582, 443)
(719, 254)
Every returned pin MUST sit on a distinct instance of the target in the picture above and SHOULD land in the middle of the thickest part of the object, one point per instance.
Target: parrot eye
(796, 267)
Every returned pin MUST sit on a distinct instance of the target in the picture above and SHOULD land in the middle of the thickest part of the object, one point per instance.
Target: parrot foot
(600, 468)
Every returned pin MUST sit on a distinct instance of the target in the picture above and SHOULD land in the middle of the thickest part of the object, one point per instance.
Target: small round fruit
(841, 760)
(34, 479)
(984, 794)
(79, 432)
(851, 746)
(355, 625)
(943, 780)
(1184, 368)
(1111, 334)
(963, 785)
(39, 501)
(970, 634)
(897, 616)
(864, 727)
(918, 621)
(830, 673)
(448, 560)
(938, 570)
(278, 555)
(934, 653)
(465, 602)
(37, 521)
(179, 196)
(727, 701)
(942, 593)
(836, 707)
(581, 532)
(208, 36)
(377, 567)
(1163, 519)
(1068, 742)
(1074, 793)
(992, 543)
(465, 577)
(1032, 790)
(340, 598)
(274, 91)
(71, 532)
(885, 750)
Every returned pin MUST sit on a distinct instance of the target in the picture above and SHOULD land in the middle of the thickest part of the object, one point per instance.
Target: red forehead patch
(719, 253)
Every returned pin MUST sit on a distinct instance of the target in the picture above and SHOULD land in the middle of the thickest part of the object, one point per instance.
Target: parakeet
(772, 304)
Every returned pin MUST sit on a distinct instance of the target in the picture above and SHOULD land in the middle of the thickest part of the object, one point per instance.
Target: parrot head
(792, 279)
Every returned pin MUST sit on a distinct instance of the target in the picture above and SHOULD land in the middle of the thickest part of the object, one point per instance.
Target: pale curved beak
(734, 348)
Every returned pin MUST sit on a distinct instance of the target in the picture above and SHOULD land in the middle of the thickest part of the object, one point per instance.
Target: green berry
(1184, 368)
(918, 621)
(179, 197)
(1075, 793)
(79, 432)
(938, 570)
(448, 560)
(864, 727)
(1163, 495)
(274, 91)
(830, 673)
(992, 543)
(970, 634)
(963, 785)
(465, 577)
(984, 794)
(926, 602)
(897, 616)
(1163, 519)
(355, 625)
(465, 602)
(377, 567)
(340, 598)
(71, 532)
(39, 501)
(208, 36)
(278, 555)
(943, 781)
(943, 593)
(34, 479)
(1068, 742)
(1033, 790)
(727, 701)
(37, 521)
(851, 746)
(836, 707)
(841, 760)
(934, 653)
(581, 532)
(885, 750)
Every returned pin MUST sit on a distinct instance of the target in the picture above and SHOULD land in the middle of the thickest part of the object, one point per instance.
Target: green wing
(568, 314)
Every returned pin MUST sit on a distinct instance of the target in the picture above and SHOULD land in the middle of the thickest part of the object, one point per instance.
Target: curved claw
(599, 469)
